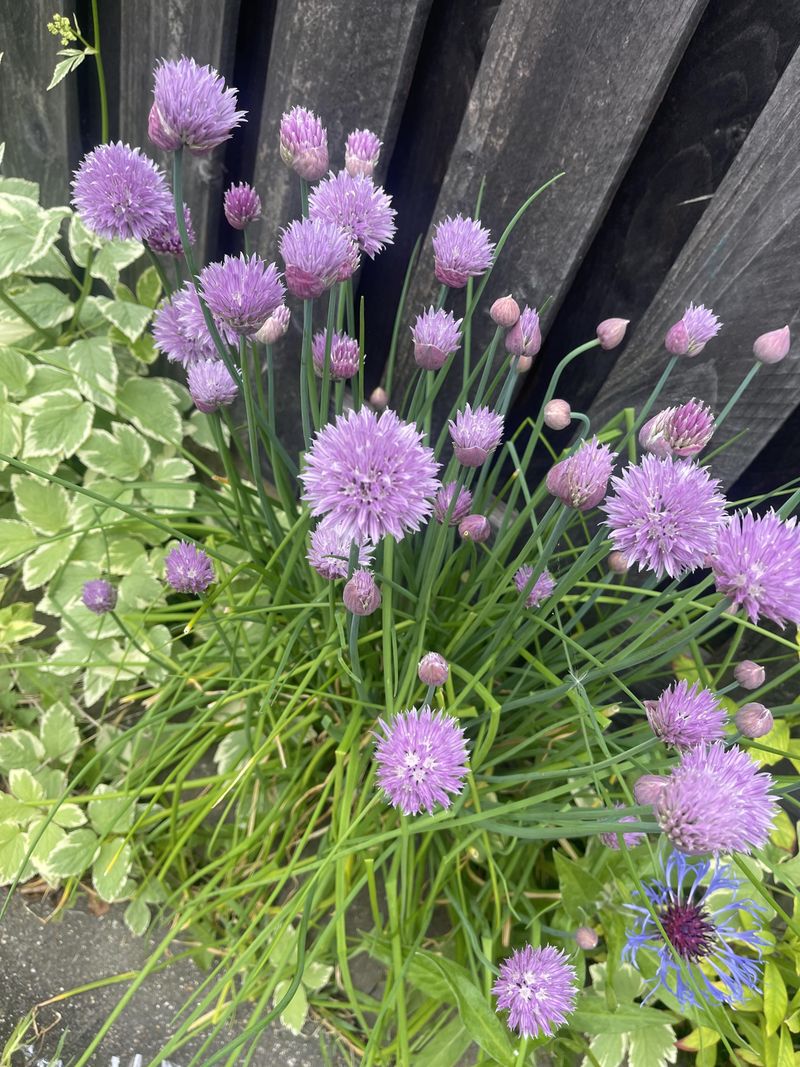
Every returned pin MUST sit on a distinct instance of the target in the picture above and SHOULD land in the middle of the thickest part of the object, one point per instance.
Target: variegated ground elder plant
(525, 744)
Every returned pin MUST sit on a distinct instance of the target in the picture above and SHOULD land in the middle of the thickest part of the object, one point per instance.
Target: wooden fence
(675, 122)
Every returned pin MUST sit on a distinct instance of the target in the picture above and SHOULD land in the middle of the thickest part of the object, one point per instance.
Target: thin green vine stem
(101, 77)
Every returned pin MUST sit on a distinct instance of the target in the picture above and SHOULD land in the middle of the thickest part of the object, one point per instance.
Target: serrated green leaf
(51, 265)
(137, 916)
(13, 849)
(130, 319)
(24, 786)
(60, 423)
(16, 370)
(294, 1015)
(121, 454)
(608, 1050)
(42, 506)
(69, 816)
(46, 305)
(180, 495)
(26, 232)
(91, 364)
(111, 868)
(10, 426)
(47, 835)
(150, 405)
(316, 975)
(19, 186)
(148, 288)
(579, 889)
(42, 564)
(13, 810)
(59, 734)
(141, 587)
(776, 999)
(113, 257)
(231, 750)
(592, 1016)
(448, 1046)
(63, 68)
(701, 1037)
(20, 749)
(110, 814)
(16, 624)
(652, 1047)
(74, 854)
(16, 538)
(778, 739)
(82, 242)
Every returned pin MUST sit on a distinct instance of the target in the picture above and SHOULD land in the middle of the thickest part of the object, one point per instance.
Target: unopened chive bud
(379, 399)
(361, 595)
(772, 347)
(275, 326)
(475, 528)
(749, 675)
(505, 312)
(433, 669)
(610, 332)
(647, 789)
(617, 562)
(586, 938)
(557, 414)
(754, 720)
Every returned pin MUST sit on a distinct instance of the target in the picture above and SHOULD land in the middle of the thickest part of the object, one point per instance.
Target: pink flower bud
(361, 595)
(275, 326)
(677, 339)
(610, 332)
(557, 414)
(647, 789)
(586, 938)
(505, 311)
(433, 669)
(617, 562)
(525, 336)
(475, 528)
(754, 720)
(772, 347)
(749, 675)
(379, 399)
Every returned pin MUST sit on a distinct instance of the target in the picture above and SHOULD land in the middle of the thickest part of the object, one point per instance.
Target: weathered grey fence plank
(562, 86)
(740, 260)
(40, 129)
(170, 29)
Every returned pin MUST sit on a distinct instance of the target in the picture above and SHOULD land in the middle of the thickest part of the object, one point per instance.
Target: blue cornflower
(700, 930)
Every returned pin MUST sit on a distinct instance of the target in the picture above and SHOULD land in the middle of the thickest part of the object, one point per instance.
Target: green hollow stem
(306, 372)
(255, 459)
(737, 395)
(101, 76)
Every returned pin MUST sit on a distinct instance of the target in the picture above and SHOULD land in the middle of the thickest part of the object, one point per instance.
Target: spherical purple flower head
(686, 715)
(444, 499)
(344, 359)
(118, 192)
(99, 596)
(304, 143)
(691, 333)
(242, 205)
(436, 335)
(537, 988)
(275, 326)
(610, 838)
(475, 435)
(180, 330)
(461, 250)
(716, 800)
(316, 254)
(422, 760)
(361, 153)
(701, 918)
(525, 336)
(359, 207)
(211, 385)
(682, 431)
(191, 107)
(329, 551)
(372, 474)
(541, 589)
(242, 292)
(581, 479)
(165, 237)
(757, 565)
(189, 570)
(666, 515)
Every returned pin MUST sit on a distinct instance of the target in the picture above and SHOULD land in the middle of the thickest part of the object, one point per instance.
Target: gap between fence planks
(741, 260)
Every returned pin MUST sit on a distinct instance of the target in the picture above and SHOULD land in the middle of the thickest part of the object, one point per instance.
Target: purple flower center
(688, 929)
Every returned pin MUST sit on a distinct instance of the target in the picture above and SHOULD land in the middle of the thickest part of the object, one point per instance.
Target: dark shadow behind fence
(676, 125)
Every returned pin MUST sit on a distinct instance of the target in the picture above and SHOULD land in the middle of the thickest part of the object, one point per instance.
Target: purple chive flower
(344, 360)
(99, 596)
(372, 474)
(444, 499)
(361, 153)
(422, 760)
(666, 515)
(537, 987)
(610, 838)
(683, 431)
(317, 253)
(475, 435)
(191, 107)
(700, 927)
(433, 669)
(686, 715)
(275, 326)
(692, 332)
(180, 330)
(757, 565)
(329, 551)
(165, 237)
(304, 143)
(210, 384)
(189, 570)
(581, 479)
(118, 192)
(242, 292)
(716, 800)
(242, 205)
(461, 250)
(525, 336)
(541, 589)
(357, 206)
(361, 595)
(436, 335)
